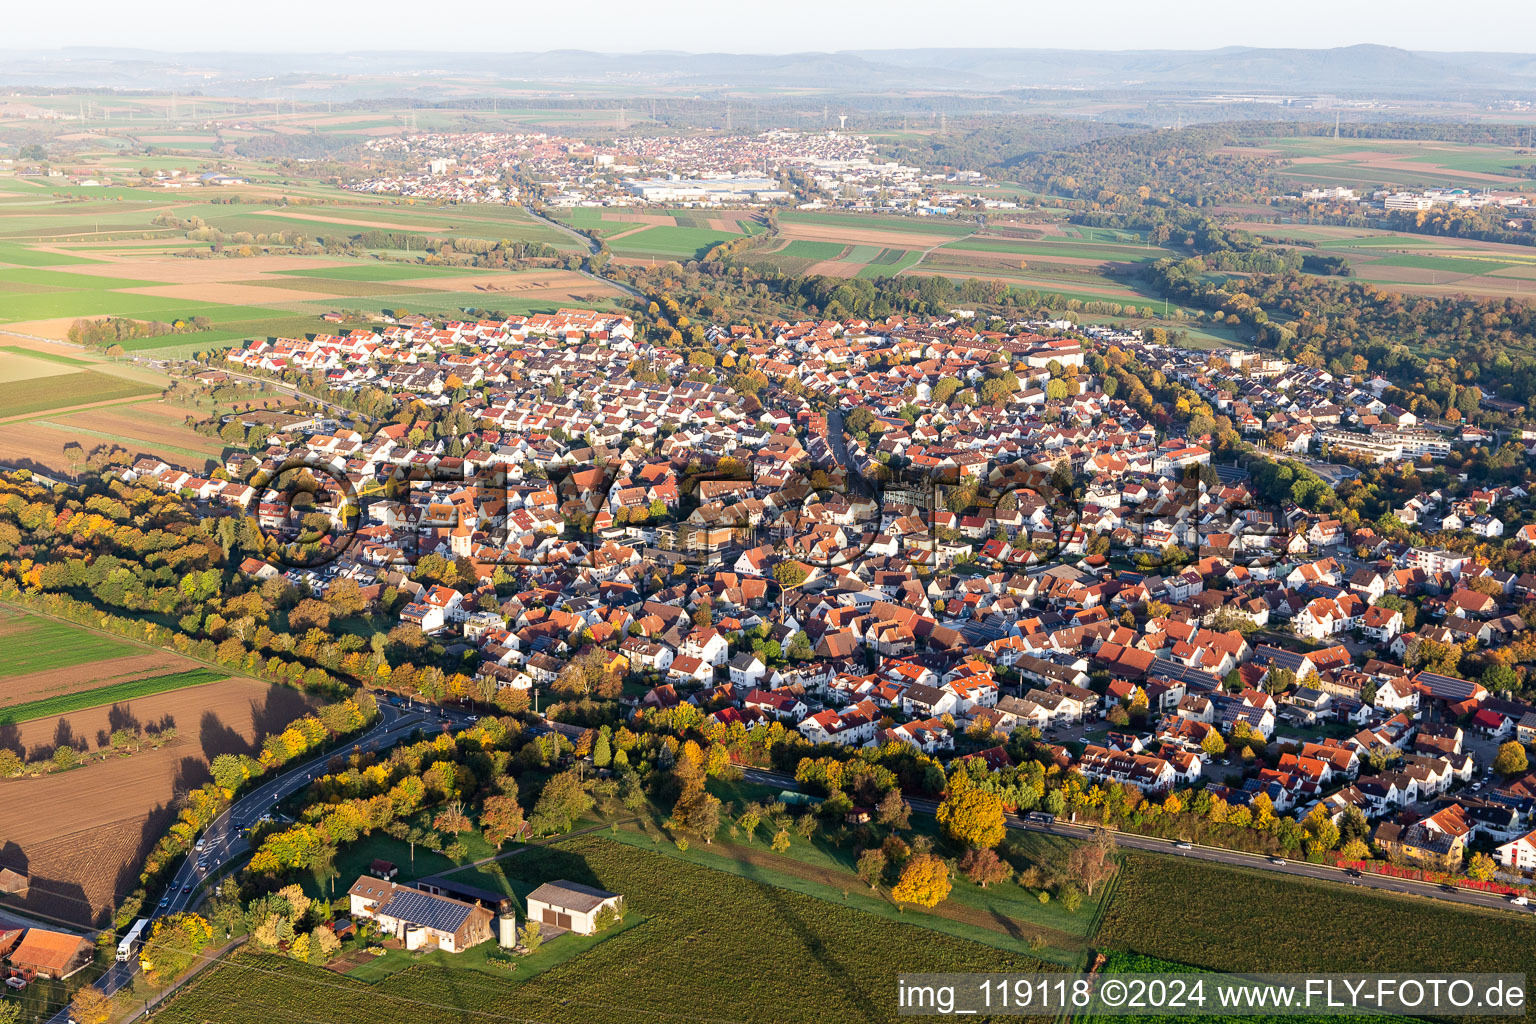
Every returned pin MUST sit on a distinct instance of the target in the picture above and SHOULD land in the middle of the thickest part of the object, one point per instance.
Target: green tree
(563, 800)
(871, 867)
(789, 574)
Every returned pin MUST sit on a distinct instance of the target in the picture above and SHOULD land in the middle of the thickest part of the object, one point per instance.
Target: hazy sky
(762, 26)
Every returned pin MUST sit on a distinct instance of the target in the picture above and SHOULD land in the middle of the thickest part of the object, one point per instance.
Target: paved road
(225, 841)
(592, 246)
(1217, 855)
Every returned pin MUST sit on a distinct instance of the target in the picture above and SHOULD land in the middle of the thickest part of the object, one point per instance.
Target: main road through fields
(226, 840)
(1131, 840)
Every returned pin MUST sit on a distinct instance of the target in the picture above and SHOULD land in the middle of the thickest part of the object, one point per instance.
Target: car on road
(1277, 860)
(1519, 900)
(165, 901)
(474, 718)
(1181, 845)
(1353, 872)
(187, 887)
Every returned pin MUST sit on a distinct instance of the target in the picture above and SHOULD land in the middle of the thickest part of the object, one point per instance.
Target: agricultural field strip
(34, 644)
(112, 694)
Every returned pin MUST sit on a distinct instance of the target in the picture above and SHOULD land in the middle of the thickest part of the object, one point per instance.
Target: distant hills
(1352, 70)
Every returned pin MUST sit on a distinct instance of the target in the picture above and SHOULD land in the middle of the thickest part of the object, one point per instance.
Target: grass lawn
(709, 946)
(67, 702)
(354, 858)
(36, 644)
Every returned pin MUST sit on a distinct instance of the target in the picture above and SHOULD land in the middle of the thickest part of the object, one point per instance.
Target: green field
(20, 255)
(812, 250)
(65, 703)
(1228, 919)
(24, 397)
(891, 262)
(710, 946)
(1132, 963)
(589, 219)
(1413, 162)
(1447, 264)
(676, 242)
(47, 357)
(35, 644)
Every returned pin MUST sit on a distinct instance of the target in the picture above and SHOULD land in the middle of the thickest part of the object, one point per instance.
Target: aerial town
(608, 527)
(710, 170)
(1175, 619)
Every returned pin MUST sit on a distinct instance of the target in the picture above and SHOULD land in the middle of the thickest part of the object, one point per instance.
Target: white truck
(130, 943)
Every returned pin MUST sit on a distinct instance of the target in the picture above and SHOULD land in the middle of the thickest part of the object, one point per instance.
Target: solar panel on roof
(1190, 677)
(423, 909)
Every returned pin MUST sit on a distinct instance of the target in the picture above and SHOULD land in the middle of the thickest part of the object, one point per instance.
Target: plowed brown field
(80, 835)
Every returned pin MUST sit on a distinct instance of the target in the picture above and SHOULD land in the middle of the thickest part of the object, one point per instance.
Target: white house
(570, 905)
(1519, 854)
(419, 919)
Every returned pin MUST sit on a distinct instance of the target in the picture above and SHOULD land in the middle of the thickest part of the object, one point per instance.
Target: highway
(1233, 858)
(225, 841)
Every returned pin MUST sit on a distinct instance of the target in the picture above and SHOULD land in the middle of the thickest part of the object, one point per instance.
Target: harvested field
(17, 366)
(47, 349)
(151, 426)
(226, 293)
(324, 287)
(120, 807)
(836, 268)
(54, 327)
(33, 686)
(648, 219)
(352, 222)
(112, 693)
(175, 270)
(849, 235)
(559, 286)
(27, 445)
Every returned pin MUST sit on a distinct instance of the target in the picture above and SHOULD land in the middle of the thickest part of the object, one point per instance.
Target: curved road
(591, 245)
(225, 840)
(1166, 847)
